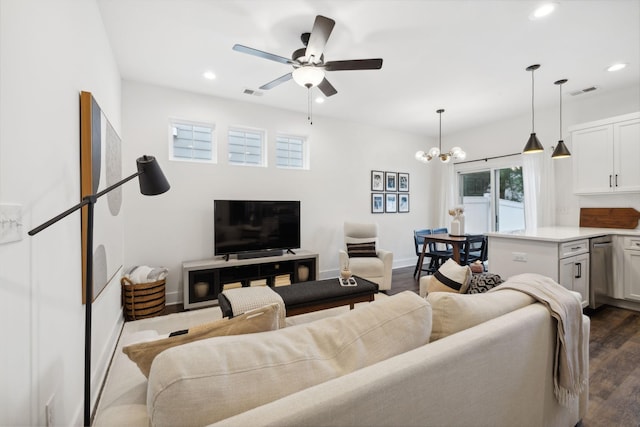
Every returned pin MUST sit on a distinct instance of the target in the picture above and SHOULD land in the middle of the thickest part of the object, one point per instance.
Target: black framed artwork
(377, 203)
(391, 202)
(403, 182)
(391, 181)
(377, 181)
(403, 203)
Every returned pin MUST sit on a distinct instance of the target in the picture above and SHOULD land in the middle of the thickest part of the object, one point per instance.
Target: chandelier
(454, 153)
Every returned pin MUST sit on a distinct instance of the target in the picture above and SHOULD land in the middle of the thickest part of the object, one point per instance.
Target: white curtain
(447, 199)
(539, 195)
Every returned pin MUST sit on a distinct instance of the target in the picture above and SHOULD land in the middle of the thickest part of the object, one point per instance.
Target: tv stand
(203, 280)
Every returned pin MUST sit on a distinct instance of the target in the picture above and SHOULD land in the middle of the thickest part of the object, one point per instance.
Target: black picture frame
(377, 203)
(390, 181)
(377, 181)
(403, 182)
(403, 202)
(391, 202)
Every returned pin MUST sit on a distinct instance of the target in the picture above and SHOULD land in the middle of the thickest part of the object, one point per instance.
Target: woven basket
(141, 300)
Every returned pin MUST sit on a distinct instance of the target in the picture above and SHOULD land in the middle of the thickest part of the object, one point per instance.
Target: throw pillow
(450, 277)
(258, 320)
(455, 312)
(213, 380)
(482, 282)
(367, 249)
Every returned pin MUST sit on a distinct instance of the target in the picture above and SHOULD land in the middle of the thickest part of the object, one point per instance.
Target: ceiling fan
(308, 62)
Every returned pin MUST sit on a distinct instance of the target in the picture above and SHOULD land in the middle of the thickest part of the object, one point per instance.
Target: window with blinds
(291, 152)
(246, 147)
(192, 142)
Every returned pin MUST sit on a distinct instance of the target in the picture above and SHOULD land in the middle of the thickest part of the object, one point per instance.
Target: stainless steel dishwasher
(600, 270)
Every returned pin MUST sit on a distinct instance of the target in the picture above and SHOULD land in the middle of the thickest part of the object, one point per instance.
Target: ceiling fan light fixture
(308, 76)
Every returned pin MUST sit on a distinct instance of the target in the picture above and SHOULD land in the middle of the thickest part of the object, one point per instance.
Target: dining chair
(475, 249)
(418, 242)
(439, 252)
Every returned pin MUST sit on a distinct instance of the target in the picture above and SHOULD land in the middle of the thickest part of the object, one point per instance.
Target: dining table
(456, 242)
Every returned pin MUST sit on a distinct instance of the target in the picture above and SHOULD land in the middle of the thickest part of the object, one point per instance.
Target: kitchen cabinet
(631, 268)
(606, 155)
(573, 268)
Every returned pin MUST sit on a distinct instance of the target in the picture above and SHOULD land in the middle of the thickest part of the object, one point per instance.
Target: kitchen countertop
(563, 234)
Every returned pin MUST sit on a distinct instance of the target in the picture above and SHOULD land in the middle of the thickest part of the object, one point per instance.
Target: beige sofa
(497, 373)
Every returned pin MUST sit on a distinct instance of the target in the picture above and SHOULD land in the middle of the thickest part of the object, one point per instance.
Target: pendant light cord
(309, 106)
(440, 133)
(532, 105)
(560, 90)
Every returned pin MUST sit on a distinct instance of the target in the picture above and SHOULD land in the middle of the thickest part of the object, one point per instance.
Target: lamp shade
(561, 151)
(308, 76)
(533, 145)
(152, 180)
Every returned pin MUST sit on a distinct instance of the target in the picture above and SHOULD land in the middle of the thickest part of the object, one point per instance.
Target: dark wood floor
(614, 361)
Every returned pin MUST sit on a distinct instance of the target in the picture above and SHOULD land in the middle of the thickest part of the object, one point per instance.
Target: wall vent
(585, 90)
(252, 92)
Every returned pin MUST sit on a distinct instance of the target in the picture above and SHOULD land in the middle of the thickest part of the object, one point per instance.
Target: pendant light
(454, 153)
(533, 144)
(561, 151)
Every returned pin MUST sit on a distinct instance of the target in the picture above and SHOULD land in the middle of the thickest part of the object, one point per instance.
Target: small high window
(190, 141)
(246, 147)
(291, 152)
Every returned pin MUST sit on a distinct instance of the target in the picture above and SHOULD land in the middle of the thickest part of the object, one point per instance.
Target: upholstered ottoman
(300, 298)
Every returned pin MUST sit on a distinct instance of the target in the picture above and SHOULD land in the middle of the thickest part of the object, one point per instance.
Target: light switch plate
(10, 223)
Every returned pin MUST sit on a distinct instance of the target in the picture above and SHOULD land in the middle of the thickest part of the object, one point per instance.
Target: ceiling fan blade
(261, 54)
(276, 82)
(320, 33)
(327, 88)
(354, 64)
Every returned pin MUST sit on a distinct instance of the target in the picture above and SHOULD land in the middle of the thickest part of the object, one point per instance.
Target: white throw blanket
(249, 298)
(567, 310)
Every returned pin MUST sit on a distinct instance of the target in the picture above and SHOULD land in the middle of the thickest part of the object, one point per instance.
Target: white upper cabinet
(606, 155)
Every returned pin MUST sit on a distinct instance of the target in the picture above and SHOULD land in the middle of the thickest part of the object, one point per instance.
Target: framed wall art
(403, 182)
(100, 167)
(377, 181)
(391, 181)
(391, 202)
(403, 203)
(377, 203)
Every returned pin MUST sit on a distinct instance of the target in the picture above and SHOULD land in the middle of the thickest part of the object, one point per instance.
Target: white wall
(49, 52)
(510, 136)
(178, 226)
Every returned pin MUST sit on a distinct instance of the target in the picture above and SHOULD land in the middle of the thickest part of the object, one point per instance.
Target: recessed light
(319, 100)
(542, 11)
(616, 67)
(209, 75)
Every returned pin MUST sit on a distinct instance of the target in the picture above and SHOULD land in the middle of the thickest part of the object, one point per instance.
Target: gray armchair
(376, 268)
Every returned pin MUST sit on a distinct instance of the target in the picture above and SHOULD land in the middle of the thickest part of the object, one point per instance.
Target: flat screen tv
(255, 227)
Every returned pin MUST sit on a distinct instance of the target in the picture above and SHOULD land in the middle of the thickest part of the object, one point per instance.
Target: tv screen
(255, 225)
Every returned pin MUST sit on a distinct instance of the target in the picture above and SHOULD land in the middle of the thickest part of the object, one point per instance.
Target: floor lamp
(152, 182)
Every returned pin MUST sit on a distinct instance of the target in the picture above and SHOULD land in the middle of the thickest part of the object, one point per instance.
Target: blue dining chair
(418, 243)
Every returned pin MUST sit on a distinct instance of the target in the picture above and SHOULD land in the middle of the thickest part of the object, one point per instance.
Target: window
(290, 152)
(493, 198)
(246, 147)
(192, 141)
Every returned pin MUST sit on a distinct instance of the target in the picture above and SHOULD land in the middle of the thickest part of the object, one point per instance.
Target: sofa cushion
(454, 312)
(258, 320)
(214, 379)
(359, 250)
(483, 282)
(450, 277)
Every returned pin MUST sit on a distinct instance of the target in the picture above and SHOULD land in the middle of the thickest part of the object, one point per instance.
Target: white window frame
(263, 146)
(172, 135)
(491, 165)
(304, 143)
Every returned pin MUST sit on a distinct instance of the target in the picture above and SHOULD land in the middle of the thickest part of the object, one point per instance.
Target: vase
(345, 273)
(201, 289)
(303, 273)
(455, 227)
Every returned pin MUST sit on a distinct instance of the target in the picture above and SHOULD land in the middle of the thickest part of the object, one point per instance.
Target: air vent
(252, 92)
(585, 90)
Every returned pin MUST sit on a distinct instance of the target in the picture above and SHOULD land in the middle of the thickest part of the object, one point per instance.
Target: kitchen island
(563, 254)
